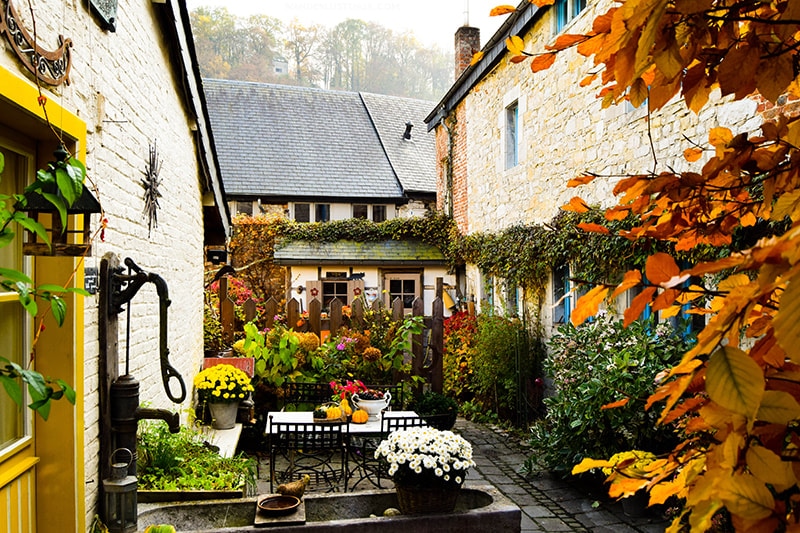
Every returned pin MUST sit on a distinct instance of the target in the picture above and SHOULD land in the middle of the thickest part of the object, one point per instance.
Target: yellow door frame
(57, 454)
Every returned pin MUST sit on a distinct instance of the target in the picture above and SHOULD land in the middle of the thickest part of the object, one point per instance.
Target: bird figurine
(294, 488)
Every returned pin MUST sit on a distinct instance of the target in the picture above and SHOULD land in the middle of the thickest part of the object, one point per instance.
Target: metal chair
(319, 450)
(305, 396)
(398, 397)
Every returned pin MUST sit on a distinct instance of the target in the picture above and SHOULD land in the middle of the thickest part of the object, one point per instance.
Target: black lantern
(72, 240)
(119, 497)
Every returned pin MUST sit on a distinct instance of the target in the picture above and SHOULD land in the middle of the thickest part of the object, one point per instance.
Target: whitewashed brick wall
(124, 87)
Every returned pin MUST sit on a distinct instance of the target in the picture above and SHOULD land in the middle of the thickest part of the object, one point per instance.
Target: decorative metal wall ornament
(51, 68)
(151, 193)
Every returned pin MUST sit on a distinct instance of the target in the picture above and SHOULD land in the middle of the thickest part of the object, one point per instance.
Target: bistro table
(359, 442)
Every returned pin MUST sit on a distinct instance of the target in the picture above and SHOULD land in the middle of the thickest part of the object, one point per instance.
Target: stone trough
(478, 509)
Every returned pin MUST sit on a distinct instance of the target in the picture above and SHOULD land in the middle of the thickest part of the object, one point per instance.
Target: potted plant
(428, 467)
(436, 409)
(222, 387)
(631, 470)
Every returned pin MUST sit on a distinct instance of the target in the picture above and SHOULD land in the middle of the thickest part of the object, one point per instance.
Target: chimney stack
(468, 41)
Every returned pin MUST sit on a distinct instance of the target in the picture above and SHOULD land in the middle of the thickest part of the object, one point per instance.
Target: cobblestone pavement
(548, 504)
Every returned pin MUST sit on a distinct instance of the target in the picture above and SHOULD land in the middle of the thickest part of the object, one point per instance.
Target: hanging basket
(413, 499)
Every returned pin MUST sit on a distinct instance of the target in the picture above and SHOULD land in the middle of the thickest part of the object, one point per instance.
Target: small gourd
(345, 405)
(360, 416)
(334, 413)
(320, 413)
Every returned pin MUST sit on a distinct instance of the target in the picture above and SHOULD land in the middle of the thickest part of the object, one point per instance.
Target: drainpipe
(448, 198)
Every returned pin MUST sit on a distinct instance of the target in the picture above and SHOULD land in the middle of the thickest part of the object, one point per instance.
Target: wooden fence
(427, 349)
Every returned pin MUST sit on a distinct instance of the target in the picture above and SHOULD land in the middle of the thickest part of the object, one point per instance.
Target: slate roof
(358, 253)
(290, 142)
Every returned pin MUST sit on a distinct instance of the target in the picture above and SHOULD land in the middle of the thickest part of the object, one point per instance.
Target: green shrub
(181, 461)
(503, 365)
(595, 364)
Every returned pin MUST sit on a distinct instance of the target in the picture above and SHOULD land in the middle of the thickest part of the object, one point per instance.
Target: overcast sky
(434, 22)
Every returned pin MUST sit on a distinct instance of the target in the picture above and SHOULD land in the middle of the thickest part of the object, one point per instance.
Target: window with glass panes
(360, 211)
(566, 10)
(403, 286)
(334, 289)
(14, 322)
(378, 213)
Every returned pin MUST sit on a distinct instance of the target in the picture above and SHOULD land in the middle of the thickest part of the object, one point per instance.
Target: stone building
(326, 156)
(121, 83)
(508, 139)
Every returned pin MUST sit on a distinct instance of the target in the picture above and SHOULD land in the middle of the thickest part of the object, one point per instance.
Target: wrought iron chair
(365, 466)
(305, 396)
(319, 450)
(398, 397)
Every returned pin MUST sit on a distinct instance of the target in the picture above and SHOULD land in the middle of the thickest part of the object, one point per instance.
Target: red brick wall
(458, 131)
(468, 41)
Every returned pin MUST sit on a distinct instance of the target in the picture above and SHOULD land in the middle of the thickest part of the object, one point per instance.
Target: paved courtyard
(547, 504)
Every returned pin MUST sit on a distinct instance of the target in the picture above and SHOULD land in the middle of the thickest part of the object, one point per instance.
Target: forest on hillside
(353, 55)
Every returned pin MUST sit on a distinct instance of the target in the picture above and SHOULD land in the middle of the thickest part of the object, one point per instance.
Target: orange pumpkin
(360, 416)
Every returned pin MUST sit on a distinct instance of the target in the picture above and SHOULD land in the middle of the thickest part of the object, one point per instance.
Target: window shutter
(314, 288)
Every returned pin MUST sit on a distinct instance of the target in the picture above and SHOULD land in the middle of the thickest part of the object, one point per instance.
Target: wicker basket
(412, 499)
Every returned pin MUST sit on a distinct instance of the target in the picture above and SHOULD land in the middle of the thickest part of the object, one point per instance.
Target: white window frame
(574, 8)
(514, 97)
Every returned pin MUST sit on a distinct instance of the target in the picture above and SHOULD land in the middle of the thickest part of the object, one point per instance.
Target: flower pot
(373, 407)
(223, 415)
(415, 499)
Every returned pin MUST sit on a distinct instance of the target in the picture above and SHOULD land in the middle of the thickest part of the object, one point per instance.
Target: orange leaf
(518, 59)
(692, 154)
(477, 56)
(543, 62)
(542, 3)
(588, 305)
(631, 279)
(617, 213)
(588, 80)
(660, 268)
(665, 299)
(638, 305)
(613, 405)
(582, 180)
(565, 41)
(577, 205)
(591, 227)
(501, 10)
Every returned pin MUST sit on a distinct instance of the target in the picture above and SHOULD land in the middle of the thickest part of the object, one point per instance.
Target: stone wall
(564, 132)
(126, 87)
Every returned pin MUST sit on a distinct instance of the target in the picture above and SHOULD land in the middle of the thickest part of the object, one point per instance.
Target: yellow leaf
(785, 205)
(787, 321)
(778, 407)
(735, 381)
(664, 490)
(793, 136)
(748, 497)
(719, 139)
(748, 219)
(589, 464)
(670, 312)
(588, 305)
(515, 45)
(477, 56)
(501, 10)
(768, 467)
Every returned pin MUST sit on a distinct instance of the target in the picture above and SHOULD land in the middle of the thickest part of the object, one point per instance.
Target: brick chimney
(468, 41)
